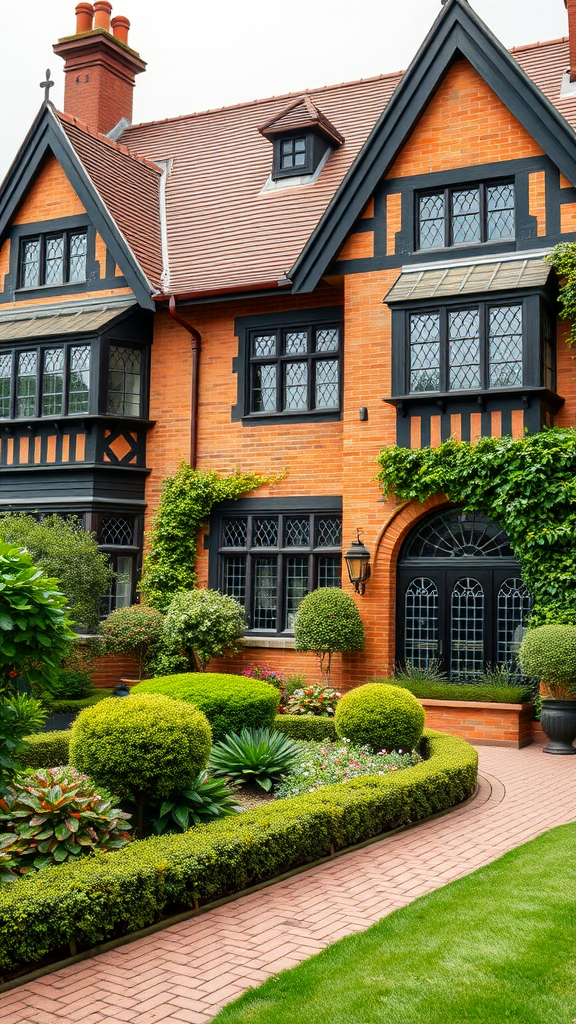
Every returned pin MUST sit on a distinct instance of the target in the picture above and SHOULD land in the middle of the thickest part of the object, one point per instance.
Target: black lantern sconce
(357, 560)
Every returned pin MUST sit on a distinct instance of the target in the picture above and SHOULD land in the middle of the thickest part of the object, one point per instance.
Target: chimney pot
(102, 12)
(84, 18)
(120, 28)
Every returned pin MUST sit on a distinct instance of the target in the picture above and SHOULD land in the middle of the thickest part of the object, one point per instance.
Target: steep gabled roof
(48, 137)
(456, 33)
(300, 115)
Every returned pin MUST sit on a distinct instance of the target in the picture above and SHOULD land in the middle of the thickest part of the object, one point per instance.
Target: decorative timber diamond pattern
(120, 447)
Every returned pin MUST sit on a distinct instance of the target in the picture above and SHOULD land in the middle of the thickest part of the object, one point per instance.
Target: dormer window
(302, 138)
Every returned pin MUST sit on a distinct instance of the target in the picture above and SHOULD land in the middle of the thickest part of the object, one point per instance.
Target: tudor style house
(296, 282)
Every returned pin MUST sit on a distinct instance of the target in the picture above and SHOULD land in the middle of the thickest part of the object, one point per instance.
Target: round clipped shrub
(230, 703)
(328, 622)
(144, 744)
(381, 717)
(548, 653)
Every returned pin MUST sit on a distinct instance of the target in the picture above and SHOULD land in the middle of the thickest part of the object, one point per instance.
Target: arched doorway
(461, 599)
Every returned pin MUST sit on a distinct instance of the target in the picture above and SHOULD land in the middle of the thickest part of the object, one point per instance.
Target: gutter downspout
(196, 340)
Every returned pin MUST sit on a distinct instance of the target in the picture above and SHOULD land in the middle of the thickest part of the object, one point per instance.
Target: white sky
(208, 54)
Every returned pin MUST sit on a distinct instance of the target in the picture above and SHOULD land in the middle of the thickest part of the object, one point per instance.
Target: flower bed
(329, 763)
(74, 907)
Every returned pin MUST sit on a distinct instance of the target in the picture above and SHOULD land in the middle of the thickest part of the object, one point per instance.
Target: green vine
(563, 259)
(527, 486)
(185, 506)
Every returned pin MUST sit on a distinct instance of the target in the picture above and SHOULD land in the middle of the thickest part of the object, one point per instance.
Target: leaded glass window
(289, 371)
(26, 384)
(467, 630)
(5, 384)
(421, 622)
(79, 380)
(506, 347)
(53, 382)
(116, 531)
(425, 352)
(514, 607)
(54, 259)
(124, 381)
(467, 215)
(260, 567)
(464, 349)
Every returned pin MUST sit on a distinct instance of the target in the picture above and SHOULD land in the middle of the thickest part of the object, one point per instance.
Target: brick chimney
(571, 8)
(100, 67)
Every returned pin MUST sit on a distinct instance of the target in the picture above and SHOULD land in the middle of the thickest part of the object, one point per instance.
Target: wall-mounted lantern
(357, 560)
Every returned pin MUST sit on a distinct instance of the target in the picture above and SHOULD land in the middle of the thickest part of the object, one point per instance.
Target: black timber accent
(456, 33)
(47, 138)
(80, 485)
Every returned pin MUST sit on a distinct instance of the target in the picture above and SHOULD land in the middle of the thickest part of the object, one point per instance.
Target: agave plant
(254, 755)
(204, 800)
(56, 814)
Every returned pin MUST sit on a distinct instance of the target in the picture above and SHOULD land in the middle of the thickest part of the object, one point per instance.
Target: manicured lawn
(497, 946)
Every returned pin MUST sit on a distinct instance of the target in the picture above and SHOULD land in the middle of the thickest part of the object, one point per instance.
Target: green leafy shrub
(381, 717)
(313, 700)
(63, 549)
(137, 630)
(19, 715)
(58, 814)
(47, 749)
(185, 505)
(325, 764)
(563, 259)
(229, 702)
(548, 653)
(254, 755)
(463, 691)
(204, 800)
(72, 684)
(203, 624)
(409, 673)
(74, 707)
(87, 905)
(328, 622)
(143, 745)
(306, 727)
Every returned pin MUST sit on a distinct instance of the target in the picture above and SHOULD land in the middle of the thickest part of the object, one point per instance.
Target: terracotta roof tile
(299, 114)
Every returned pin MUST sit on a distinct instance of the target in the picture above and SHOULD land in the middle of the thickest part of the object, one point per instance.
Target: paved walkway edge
(166, 922)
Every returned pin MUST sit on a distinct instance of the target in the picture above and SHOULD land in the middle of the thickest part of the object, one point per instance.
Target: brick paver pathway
(186, 972)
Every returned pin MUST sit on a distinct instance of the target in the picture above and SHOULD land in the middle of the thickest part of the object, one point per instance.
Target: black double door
(464, 613)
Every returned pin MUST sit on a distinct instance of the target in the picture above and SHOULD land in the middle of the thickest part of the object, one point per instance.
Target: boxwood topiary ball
(148, 743)
(548, 653)
(381, 717)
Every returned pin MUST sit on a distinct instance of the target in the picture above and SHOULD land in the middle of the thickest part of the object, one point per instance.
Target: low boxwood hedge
(306, 727)
(47, 749)
(463, 691)
(70, 707)
(230, 703)
(106, 895)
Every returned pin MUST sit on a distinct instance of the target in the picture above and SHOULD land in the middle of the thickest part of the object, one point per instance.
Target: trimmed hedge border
(472, 692)
(306, 727)
(47, 749)
(70, 707)
(73, 907)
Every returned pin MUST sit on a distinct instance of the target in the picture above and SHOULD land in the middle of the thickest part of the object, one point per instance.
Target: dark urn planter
(558, 720)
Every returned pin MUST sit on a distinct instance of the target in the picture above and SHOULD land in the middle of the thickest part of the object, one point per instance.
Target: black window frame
(39, 348)
(447, 193)
(42, 237)
(280, 552)
(278, 171)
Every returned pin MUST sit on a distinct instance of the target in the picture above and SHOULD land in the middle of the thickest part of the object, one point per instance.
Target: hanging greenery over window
(185, 506)
(527, 486)
(563, 259)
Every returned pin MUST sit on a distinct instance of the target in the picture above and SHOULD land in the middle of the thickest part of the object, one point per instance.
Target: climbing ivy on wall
(563, 259)
(185, 505)
(527, 486)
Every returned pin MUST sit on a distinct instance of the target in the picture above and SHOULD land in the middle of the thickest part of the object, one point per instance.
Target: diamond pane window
(54, 260)
(235, 578)
(265, 345)
(421, 623)
(77, 256)
(466, 224)
(464, 349)
(328, 340)
(5, 382)
(265, 593)
(505, 346)
(124, 381)
(296, 343)
(297, 533)
(27, 384)
(264, 388)
(234, 533)
(500, 212)
(296, 577)
(425, 352)
(327, 384)
(265, 533)
(432, 221)
(30, 271)
(53, 382)
(79, 384)
(296, 385)
(116, 531)
(329, 571)
(328, 532)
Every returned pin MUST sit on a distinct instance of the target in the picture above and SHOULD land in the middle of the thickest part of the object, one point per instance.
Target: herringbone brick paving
(187, 971)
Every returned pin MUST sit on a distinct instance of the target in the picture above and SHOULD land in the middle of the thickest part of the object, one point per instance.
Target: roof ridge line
(536, 46)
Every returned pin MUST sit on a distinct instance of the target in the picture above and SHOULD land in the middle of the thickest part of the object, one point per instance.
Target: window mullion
(444, 351)
(485, 345)
(483, 213)
(66, 258)
(279, 371)
(447, 218)
(42, 264)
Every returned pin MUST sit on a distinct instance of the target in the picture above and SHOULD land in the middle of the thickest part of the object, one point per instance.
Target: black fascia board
(456, 33)
(48, 137)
